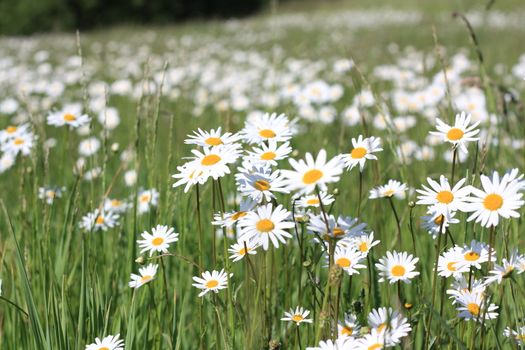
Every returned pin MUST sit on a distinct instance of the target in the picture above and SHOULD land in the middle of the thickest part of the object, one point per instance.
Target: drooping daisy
(99, 220)
(312, 200)
(22, 143)
(212, 138)
(146, 274)
(241, 248)
(299, 315)
(363, 149)
(505, 270)
(269, 153)
(349, 259)
(213, 162)
(499, 197)
(146, 200)
(473, 305)
(159, 240)
(442, 199)
(475, 254)
(211, 281)
(362, 242)
(309, 173)
(188, 175)
(397, 267)
(460, 133)
(266, 224)
(393, 188)
(116, 205)
(267, 127)
(49, 194)
(111, 342)
(339, 228)
(70, 115)
(350, 327)
(261, 184)
(449, 263)
(230, 218)
(517, 335)
(461, 284)
(435, 222)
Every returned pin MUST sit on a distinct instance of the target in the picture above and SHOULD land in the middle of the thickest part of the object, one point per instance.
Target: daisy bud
(274, 344)
(115, 147)
(140, 260)
(335, 275)
(335, 192)
(408, 306)
(295, 153)
(411, 204)
(307, 263)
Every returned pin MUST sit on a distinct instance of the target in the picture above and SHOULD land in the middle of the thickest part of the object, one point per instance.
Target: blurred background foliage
(20, 17)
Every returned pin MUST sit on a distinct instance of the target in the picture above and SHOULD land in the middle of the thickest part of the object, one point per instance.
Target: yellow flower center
(381, 327)
(18, 141)
(471, 256)
(238, 215)
(103, 348)
(262, 185)
(265, 225)
(212, 284)
(445, 197)
(213, 141)
(343, 262)
(398, 271)
(388, 193)
(312, 176)
(473, 308)
(243, 251)
(115, 203)
(11, 129)
(451, 266)
(439, 220)
(493, 202)
(347, 330)
(338, 231)
(313, 201)
(375, 346)
(363, 247)
(210, 159)
(146, 278)
(99, 220)
(455, 134)
(157, 241)
(145, 198)
(297, 318)
(267, 133)
(358, 152)
(268, 155)
(68, 117)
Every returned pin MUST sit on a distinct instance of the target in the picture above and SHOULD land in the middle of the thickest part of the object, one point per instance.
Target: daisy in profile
(374, 340)
(49, 194)
(517, 335)
(211, 281)
(70, 115)
(269, 153)
(261, 184)
(312, 200)
(146, 274)
(241, 248)
(213, 162)
(309, 173)
(266, 224)
(449, 263)
(475, 254)
(99, 220)
(397, 267)
(188, 175)
(146, 200)
(435, 222)
(458, 134)
(349, 259)
(363, 149)
(230, 218)
(111, 342)
(441, 198)
(116, 205)
(390, 324)
(473, 305)
(363, 242)
(211, 138)
(393, 188)
(22, 144)
(159, 240)
(505, 270)
(299, 315)
(499, 197)
(350, 327)
(267, 127)
(340, 228)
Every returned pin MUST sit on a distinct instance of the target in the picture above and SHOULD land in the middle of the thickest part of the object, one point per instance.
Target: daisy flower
(22, 143)
(266, 224)
(213, 162)
(13, 131)
(299, 315)
(435, 222)
(241, 248)
(159, 240)
(99, 220)
(267, 127)
(214, 281)
(393, 188)
(349, 258)
(390, 324)
(518, 335)
(458, 134)
(449, 263)
(312, 200)
(349, 328)
(309, 173)
(363, 242)
(475, 254)
(441, 198)
(269, 153)
(116, 205)
(147, 199)
(373, 341)
(70, 115)
(397, 267)
(111, 342)
(339, 344)
(230, 218)
(49, 194)
(260, 184)
(340, 228)
(499, 197)
(211, 138)
(363, 149)
(188, 175)
(147, 274)
(507, 267)
(89, 147)
(473, 305)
